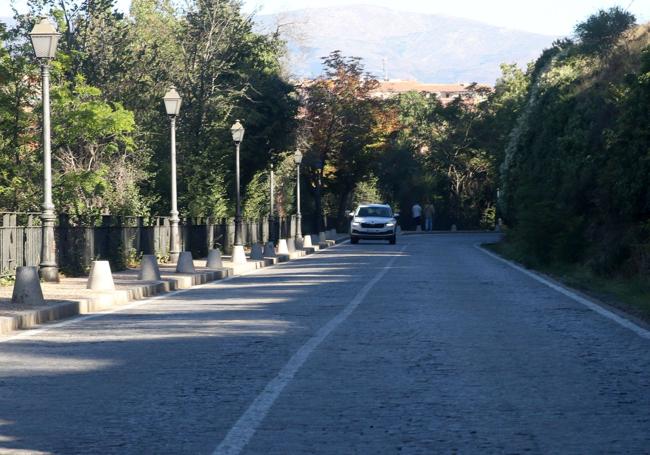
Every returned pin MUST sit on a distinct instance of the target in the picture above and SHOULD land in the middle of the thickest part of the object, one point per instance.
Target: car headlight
(356, 224)
(390, 224)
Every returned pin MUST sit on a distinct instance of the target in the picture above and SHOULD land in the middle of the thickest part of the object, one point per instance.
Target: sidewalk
(70, 297)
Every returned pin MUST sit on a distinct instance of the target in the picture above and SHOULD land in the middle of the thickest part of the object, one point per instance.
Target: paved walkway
(427, 346)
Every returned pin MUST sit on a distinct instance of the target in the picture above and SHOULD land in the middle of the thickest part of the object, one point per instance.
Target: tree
(339, 128)
(98, 161)
(600, 31)
(20, 158)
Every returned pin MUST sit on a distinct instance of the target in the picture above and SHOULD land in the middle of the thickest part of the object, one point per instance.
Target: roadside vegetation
(575, 176)
(109, 129)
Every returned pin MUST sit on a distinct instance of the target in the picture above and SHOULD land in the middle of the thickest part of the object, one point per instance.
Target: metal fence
(120, 239)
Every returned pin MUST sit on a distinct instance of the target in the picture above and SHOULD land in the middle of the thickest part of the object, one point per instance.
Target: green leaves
(577, 167)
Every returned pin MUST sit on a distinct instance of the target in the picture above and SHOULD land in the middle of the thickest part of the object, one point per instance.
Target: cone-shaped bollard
(185, 263)
(306, 241)
(291, 245)
(269, 250)
(101, 278)
(238, 254)
(27, 288)
(149, 270)
(214, 260)
(283, 248)
(322, 238)
(257, 254)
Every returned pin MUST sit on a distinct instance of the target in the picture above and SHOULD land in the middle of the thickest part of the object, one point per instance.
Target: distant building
(446, 93)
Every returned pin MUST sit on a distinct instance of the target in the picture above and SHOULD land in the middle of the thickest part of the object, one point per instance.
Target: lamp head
(237, 131)
(172, 102)
(297, 157)
(44, 39)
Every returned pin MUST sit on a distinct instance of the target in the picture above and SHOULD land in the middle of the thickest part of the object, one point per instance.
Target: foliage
(110, 132)
(576, 171)
(20, 159)
(95, 152)
(340, 131)
(601, 31)
(257, 197)
(367, 191)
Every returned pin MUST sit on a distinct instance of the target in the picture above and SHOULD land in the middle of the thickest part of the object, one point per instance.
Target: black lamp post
(44, 39)
(319, 201)
(297, 157)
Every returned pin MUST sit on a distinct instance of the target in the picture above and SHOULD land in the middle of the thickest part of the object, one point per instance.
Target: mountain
(424, 47)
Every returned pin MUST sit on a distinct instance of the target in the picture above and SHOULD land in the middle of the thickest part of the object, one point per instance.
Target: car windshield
(383, 212)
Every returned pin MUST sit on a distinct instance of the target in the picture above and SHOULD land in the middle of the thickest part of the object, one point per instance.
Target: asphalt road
(428, 346)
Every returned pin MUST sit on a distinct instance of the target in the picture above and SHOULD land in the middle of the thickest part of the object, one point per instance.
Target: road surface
(427, 346)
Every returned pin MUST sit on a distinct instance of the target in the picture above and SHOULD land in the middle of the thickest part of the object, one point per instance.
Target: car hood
(373, 219)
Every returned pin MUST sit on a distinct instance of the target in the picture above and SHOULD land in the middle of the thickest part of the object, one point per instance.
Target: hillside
(427, 48)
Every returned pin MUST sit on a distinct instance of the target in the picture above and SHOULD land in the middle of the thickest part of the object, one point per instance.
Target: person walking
(416, 212)
(429, 212)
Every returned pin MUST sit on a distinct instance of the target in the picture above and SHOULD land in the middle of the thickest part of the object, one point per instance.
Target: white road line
(75, 319)
(244, 429)
(643, 333)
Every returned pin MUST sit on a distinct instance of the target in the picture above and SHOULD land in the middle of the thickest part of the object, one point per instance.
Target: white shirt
(416, 210)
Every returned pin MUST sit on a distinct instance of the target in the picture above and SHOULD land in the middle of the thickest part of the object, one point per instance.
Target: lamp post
(173, 106)
(497, 224)
(319, 201)
(44, 39)
(297, 158)
(269, 248)
(272, 204)
(238, 254)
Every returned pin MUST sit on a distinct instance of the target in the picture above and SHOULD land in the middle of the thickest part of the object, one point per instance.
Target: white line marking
(74, 319)
(244, 429)
(643, 333)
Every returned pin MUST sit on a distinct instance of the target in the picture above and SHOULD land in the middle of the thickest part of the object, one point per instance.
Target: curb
(618, 316)
(102, 301)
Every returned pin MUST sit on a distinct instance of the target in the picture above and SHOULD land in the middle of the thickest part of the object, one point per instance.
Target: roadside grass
(631, 295)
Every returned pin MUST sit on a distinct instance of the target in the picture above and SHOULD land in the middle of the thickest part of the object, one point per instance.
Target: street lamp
(319, 202)
(272, 204)
(238, 254)
(269, 248)
(44, 39)
(173, 106)
(297, 158)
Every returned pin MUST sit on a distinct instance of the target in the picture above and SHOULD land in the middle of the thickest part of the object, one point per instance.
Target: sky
(549, 17)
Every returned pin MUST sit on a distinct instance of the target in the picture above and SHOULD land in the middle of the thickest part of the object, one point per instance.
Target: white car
(373, 222)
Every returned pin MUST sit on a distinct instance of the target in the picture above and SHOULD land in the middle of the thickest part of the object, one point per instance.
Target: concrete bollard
(214, 260)
(185, 263)
(322, 238)
(238, 254)
(269, 250)
(149, 270)
(257, 254)
(101, 278)
(27, 288)
(306, 241)
(291, 245)
(283, 247)
(331, 234)
(454, 228)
